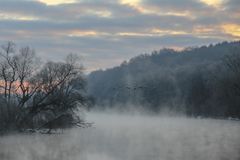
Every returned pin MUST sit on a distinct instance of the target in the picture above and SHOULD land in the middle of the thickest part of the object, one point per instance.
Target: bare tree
(8, 69)
(58, 90)
(39, 94)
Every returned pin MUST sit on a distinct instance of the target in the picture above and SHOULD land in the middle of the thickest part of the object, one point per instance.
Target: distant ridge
(167, 78)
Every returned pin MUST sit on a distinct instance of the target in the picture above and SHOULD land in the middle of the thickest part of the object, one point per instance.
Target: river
(130, 137)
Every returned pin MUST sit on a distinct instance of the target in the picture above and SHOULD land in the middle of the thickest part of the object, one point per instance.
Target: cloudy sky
(106, 32)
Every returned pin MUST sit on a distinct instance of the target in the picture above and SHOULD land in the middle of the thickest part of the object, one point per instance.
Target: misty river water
(127, 137)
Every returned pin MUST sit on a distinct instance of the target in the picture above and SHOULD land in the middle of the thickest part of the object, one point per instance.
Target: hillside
(191, 81)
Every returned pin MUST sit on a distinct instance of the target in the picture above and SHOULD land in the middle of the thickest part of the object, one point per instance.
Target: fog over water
(131, 137)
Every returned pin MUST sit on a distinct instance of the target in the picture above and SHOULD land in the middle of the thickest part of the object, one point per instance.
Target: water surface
(127, 137)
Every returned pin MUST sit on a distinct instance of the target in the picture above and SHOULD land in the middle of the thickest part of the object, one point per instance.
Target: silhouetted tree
(34, 94)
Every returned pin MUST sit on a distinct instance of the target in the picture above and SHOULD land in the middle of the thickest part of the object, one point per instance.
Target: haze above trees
(202, 81)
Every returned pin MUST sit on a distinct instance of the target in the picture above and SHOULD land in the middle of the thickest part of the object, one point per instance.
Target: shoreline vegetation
(36, 96)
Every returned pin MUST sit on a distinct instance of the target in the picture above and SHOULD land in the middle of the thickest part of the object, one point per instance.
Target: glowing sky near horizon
(105, 33)
(57, 2)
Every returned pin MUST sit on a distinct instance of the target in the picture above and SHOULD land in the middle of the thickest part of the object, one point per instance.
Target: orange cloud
(56, 2)
(130, 2)
(103, 13)
(204, 29)
(168, 32)
(214, 3)
(153, 32)
(13, 16)
(82, 33)
(232, 29)
(133, 34)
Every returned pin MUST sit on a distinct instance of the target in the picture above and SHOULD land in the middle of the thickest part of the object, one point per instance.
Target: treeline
(201, 81)
(37, 96)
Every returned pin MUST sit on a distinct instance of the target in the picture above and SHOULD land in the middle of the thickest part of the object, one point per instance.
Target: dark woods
(202, 81)
(37, 96)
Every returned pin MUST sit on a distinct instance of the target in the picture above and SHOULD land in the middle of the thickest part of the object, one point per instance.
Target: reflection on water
(122, 137)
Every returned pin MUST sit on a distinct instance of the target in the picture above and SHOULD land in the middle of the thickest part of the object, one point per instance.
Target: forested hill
(197, 80)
